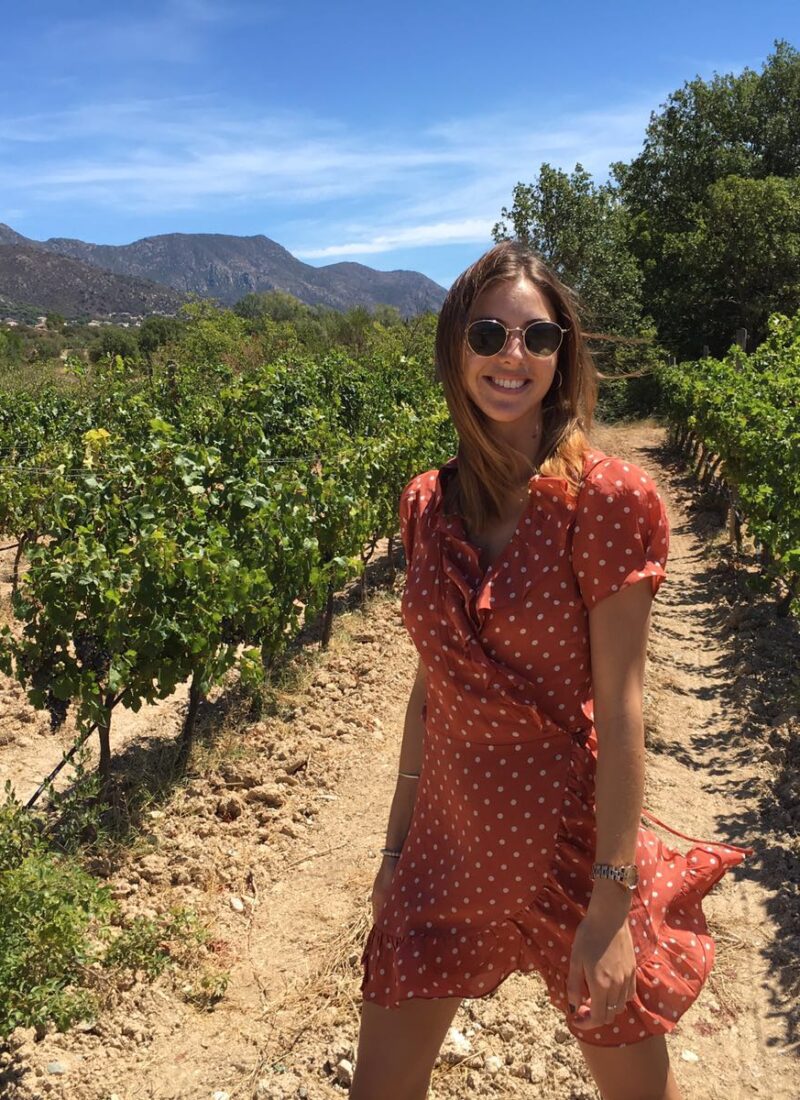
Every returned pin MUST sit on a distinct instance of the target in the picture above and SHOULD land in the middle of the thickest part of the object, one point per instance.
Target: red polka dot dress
(495, 871)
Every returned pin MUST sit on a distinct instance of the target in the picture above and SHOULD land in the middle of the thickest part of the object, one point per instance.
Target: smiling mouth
(508, 386)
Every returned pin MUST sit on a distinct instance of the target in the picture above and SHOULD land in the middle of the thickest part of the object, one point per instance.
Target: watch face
(631, 875)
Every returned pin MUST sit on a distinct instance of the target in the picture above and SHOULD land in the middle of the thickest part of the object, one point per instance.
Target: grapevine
(176, 527)
(741, 417)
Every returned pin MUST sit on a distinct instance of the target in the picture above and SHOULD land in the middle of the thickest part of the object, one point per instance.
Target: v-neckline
(493, 568)
(543, 491)
(500, 556)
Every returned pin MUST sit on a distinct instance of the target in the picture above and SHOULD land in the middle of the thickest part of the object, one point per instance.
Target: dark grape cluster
(57, 709)
(230, 632)
(91, 652)
(31, 667)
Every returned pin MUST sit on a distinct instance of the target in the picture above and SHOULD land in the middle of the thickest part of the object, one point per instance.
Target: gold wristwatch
(626, 874)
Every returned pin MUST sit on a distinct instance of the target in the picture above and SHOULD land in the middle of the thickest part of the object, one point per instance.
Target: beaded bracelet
(392, 851)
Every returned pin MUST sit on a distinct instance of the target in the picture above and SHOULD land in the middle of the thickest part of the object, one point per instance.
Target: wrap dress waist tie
(697, 840)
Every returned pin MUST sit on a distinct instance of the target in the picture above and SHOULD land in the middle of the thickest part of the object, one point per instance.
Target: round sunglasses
(488, 337)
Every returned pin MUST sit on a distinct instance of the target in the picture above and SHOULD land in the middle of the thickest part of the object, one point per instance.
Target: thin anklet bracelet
(410, 775)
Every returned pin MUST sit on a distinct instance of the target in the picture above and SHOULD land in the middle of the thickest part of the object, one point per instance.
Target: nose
(514, 349)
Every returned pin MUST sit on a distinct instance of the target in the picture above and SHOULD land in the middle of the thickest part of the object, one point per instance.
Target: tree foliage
(698, 234)
(743, 251)
(113, 341)
(581, 230)
(705, 194)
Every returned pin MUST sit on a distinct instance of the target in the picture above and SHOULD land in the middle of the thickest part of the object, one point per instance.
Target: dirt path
(278, 845)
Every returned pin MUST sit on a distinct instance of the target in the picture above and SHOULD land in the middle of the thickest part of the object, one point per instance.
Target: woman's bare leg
(638, 1071)
(397, 1047)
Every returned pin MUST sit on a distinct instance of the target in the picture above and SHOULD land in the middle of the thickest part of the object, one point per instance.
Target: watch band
(626, 874)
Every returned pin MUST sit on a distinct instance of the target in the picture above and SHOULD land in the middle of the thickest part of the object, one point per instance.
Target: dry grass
(328, 985)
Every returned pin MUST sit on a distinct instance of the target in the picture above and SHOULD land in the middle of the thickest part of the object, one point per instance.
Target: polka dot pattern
(495, 872)
(621, 531)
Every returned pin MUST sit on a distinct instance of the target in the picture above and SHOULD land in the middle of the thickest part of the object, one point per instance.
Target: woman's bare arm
(618, 629)
(602, 959)
(410, 761)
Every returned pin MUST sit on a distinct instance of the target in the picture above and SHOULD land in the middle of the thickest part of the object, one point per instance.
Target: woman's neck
(527, 438)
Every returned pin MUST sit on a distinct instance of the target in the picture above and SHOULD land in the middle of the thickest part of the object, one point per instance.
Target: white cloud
(358, 193)
(460, 232)
(177, 31)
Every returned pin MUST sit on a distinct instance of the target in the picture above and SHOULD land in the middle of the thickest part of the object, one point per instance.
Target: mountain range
(156, 274)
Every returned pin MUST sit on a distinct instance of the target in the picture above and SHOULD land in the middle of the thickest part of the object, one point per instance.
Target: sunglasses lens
(486, 337)
(543, 338)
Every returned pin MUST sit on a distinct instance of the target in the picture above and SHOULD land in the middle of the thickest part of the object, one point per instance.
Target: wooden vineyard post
(187, 733)
(104, 733)
(327, 622)
(734, 523)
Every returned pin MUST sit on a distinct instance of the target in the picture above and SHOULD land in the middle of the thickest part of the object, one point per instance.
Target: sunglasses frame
(508, 331)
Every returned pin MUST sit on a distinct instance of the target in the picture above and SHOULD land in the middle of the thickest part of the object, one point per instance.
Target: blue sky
(391, 134)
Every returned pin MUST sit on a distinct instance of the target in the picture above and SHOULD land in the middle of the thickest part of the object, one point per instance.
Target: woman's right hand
(382, 885)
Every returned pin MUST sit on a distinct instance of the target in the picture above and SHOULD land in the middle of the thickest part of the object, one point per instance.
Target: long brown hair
(489, 469)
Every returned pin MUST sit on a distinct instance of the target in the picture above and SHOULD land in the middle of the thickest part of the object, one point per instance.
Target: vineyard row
(189, 534)
(739, 420)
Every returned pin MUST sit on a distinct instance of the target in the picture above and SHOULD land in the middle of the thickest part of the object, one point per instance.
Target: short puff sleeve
(621, 532)
(408, 510)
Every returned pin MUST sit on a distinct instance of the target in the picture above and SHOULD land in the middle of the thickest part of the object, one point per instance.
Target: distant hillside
(9, 236)
(226, 268)
(33, 277)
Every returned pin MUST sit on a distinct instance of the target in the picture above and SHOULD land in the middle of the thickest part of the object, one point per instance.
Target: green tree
(115, 341)
(156, 331)
(277, 305)
(744, 126)
(211, 336)
(744, 255)
(11, 347)
(776, 113)
(580, 229)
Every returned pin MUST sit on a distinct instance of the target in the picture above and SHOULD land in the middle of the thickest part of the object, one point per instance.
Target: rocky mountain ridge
(33, 279)
(211, 265)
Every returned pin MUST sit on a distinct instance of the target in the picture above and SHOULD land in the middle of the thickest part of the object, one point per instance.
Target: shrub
(50, 912)
(60, 930)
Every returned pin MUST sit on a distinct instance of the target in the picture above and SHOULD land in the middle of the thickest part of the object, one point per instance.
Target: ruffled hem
(388, 961)
(673, 973)
(669, 977)
(397, 968)
(675, 952)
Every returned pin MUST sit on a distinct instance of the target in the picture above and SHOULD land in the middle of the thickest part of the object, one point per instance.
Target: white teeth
(509, 385)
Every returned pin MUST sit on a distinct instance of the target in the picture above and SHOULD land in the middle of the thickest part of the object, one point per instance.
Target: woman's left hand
(602, 967)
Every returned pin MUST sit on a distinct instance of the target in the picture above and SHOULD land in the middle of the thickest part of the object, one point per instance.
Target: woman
(514, 839)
